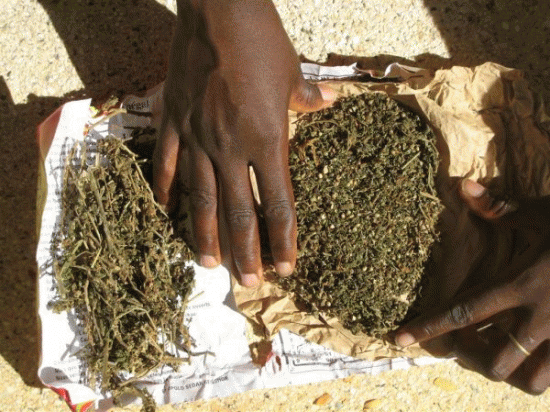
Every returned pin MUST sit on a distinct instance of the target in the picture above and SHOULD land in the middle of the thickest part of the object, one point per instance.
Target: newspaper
(214, 322)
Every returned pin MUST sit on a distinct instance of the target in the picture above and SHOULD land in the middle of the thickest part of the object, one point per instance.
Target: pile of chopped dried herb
(363, 174)
(119, 266)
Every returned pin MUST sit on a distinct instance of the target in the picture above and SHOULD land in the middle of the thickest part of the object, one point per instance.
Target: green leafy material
(363, 175)
(118, 265)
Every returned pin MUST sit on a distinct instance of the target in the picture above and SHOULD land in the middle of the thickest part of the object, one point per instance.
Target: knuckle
(203, 201)
(525, 280)
(272, 138)
(279, 211)
(428, 330)
(220, 141)
(240, 219)
(461, 314)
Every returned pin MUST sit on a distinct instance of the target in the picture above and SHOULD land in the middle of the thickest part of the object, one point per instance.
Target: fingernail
(208, 261)
(250, 280)
(329, 95)
(283, 268)
(404, 339)
(472, 188)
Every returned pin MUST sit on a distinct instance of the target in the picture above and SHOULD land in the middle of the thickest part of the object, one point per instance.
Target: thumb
(480, 201)
(308, 97)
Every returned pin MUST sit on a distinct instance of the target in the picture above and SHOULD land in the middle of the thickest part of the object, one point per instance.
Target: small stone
(221, 408)
(323, 399)
(372, 404)
(10, 389)
(445, 384)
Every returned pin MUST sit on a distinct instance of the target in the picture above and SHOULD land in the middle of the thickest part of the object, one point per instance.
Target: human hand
(233, 76)
(502, 328)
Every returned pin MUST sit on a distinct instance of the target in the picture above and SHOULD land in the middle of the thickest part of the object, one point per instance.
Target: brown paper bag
(490, 128)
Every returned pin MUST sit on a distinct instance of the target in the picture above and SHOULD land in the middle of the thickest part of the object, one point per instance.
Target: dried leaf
(372, 404)
(445, 384)
(323, 399)
(118, 264)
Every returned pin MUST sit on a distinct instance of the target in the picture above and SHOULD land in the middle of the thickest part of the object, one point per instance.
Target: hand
(233, 76)
(502, 328)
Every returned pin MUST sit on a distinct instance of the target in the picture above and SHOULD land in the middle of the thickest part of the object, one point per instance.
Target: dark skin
(233, 76)
(517, 304)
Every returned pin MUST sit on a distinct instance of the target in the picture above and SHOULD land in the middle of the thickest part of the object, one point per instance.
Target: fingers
(308, 97)
(476, 350)
(204, 207)
(534, 377)
(481, 203)
(280, 214)
(517, 349)
(165, 160)
(461, 315)
(242, 225)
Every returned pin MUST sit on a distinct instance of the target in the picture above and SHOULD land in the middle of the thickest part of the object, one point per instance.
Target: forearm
(234, 29)
(202, 5)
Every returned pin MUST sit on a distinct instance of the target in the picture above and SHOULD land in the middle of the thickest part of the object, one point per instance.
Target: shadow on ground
(514, 34)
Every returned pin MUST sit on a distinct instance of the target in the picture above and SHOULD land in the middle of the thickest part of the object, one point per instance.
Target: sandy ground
(52, 51)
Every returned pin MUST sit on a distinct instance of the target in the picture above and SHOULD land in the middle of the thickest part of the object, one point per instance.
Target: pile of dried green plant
(363, 175)
(119, 266)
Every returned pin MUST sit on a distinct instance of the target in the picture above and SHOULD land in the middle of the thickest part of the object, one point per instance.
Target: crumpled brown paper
(490, 128)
